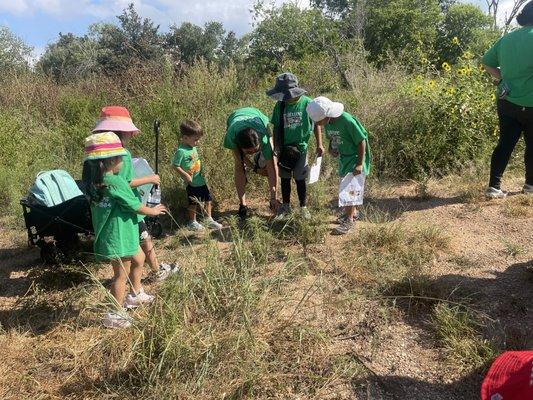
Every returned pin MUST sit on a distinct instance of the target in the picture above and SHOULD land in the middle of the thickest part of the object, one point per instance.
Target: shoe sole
(113, 326)
(131, 306)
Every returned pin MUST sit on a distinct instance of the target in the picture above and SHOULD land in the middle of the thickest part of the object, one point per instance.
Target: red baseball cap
(510, 377)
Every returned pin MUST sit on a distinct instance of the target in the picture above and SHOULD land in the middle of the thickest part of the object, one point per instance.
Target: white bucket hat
(322, 107)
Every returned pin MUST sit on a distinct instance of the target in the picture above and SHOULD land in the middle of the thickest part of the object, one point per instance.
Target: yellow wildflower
(467, 55)
(432, 83)
(455, 40)
(452, 90)
(461, 72)
(446, 67)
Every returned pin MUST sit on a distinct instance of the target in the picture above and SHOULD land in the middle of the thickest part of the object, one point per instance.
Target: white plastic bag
(314, 172)
(351, 190)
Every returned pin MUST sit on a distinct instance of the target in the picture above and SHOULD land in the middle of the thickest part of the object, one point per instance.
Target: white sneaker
(493, 193)
(115, 320)
(133, 301)
(212, 224)
(195, 226)
(305, 212)
(164, 271)
(527, 189)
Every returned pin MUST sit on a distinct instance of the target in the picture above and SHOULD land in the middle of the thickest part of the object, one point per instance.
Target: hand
(160, 209)
(155, 179)
(274, 204)
(319, 151)
(358, 170)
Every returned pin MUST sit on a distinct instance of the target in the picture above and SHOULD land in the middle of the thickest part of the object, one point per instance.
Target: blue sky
(38, 22)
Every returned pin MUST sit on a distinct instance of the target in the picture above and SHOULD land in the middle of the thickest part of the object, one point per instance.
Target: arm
(186, 177)
(494, 72)
(361, 150)
(154, 179)
(160, 209)
(272, 171)
(240, 176)
(318, 136)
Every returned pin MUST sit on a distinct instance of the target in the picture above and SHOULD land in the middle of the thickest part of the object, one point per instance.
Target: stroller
(55, 228)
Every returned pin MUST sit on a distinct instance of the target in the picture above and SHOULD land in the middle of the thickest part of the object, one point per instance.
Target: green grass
(459, 332)
(391, 252)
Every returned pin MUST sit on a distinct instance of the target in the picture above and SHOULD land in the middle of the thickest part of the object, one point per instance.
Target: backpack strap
(279, 134)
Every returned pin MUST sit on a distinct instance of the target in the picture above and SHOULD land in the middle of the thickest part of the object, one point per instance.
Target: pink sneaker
(115, 320)
(134, 301)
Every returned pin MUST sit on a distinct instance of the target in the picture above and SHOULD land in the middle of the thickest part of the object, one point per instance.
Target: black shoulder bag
(288, 155)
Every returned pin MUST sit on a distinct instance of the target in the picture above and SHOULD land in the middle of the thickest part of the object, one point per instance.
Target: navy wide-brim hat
(286, 88)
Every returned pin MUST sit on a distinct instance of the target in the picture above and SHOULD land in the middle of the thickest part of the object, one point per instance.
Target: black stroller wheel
(50, 254)
(155, 228)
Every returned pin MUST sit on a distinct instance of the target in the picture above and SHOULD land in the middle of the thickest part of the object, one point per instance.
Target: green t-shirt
(245, 118)
(115, 223)
(345, 133)
(513, 54)
(127, 172)
(186, 157)
(297, 123)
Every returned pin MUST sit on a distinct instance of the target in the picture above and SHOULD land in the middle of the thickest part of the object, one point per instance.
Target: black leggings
(514, 120)
(301, 188)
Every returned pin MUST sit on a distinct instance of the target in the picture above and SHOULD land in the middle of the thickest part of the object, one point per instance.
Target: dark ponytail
(93, 176)
(247, 138)
(525, 18)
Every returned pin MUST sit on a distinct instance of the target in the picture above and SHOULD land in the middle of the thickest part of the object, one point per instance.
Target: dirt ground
(490, 260)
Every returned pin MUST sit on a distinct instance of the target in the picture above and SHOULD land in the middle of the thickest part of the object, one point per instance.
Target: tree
(14, 53)
(404, 29)
(71, 57)
(135, 40)
(289, 32)
(190, 42)
(493, 8)
(470, 26)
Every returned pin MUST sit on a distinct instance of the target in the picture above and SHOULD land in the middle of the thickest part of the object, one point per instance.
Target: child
(117, 119)
(292, 131)
(348, 141)
(114, 210)
(189, 166)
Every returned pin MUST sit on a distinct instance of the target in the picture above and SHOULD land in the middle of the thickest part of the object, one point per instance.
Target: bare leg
(121, 270)
(208, 208)
(350, 212)
(149, 251)
(192, 212)
(136, 272)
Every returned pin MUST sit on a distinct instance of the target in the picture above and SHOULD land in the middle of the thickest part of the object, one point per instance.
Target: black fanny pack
(288, 157)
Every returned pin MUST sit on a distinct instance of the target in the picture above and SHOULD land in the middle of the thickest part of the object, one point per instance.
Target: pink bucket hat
(115, 118)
